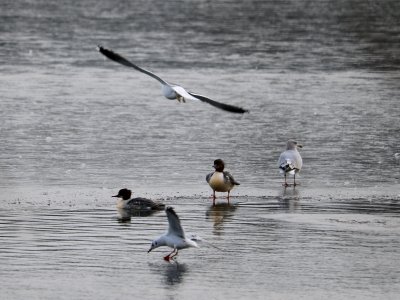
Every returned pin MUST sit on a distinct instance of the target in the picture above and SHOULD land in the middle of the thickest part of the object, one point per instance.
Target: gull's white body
(292, 157)
(175, 242)
(174, 237)
(174, 92)
(290, 161)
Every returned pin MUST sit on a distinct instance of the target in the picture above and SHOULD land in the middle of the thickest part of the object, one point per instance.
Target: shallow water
(284, 247)
(75, 128)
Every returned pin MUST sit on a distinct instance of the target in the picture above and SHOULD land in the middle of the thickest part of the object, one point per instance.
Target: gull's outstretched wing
(174, 223)
(123, 61)
(227, 107)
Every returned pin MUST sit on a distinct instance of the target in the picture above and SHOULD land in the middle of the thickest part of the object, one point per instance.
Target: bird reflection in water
(174, 273)
(219, 213)
(125, 215)
(171, 273)
(289, 199)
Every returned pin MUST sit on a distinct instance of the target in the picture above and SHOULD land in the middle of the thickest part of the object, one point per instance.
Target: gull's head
(125, 194)
(154, 244)
(292, 145)
(219, 165)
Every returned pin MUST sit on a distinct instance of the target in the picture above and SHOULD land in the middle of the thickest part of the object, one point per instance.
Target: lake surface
(75, 128)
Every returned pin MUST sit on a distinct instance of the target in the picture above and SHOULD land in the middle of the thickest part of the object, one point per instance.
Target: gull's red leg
(168, 257)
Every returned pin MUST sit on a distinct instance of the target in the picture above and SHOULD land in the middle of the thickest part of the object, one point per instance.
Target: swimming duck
(139, 203)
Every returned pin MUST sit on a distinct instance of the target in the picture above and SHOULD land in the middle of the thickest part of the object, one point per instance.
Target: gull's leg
(168, 257)
(180, 98)
(285, 184)
(294, 180)
(175, 254)
(228, 196)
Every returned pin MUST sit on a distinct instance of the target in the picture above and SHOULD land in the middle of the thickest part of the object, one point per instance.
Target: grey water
(75, 128)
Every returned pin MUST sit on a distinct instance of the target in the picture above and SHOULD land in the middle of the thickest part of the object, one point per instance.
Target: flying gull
(170, 91)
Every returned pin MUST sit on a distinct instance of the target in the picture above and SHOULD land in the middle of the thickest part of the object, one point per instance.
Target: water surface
(75, 128)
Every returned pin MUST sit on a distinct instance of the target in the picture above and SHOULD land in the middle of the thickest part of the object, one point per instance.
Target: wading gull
(174, 238)
(170, 91)
(220, 180)
(125, 201)
(290, 161)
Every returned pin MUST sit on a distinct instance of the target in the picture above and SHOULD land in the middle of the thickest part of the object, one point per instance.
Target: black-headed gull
(220, 180)
(290, 161)
(175, 236)
(170, 91)
(139, 203)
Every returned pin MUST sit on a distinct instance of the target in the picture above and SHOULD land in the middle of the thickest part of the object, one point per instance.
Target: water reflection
(174, 273)
(219, 213)
(289, 199)
(125, 215)
(290, 192)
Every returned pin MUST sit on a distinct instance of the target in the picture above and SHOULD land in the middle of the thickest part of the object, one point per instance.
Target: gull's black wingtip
(115, 57)
(171, 210)
(103, 50)
(223, 106)
(244, 111)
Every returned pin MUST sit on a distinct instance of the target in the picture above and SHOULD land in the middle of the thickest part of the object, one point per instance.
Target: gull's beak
(151, 248)
(300, 145)
(116, 196)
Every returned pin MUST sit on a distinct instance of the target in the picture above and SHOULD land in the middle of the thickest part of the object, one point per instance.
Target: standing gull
(174, 238)
(290, 161)
(220, 180)
(170, 91)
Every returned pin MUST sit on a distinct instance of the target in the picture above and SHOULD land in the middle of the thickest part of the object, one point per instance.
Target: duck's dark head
(125, 194)
(219, 165)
